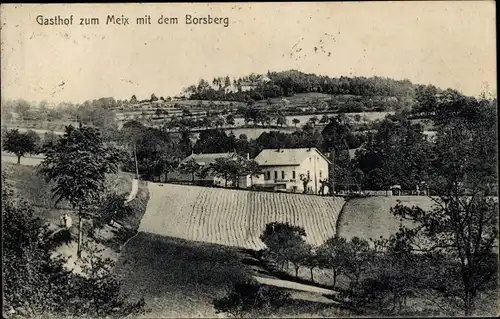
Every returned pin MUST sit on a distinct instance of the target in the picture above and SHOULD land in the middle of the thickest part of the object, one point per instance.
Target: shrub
(251, 298)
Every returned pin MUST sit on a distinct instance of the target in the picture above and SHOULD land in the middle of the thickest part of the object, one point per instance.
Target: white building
(282, 169)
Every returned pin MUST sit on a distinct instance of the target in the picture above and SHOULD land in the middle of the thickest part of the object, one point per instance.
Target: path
(294, 286)
(133, 192)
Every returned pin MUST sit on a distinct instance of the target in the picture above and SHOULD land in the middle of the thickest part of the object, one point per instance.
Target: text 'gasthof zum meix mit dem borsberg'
(188, 19)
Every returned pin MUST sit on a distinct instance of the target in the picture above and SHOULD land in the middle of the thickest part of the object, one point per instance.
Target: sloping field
(235, 217)
(371, 217)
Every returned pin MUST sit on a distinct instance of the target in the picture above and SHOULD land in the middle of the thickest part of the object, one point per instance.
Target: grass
(25, 160)
(33, 188)
(138, 205)
(371, 218)
(177, 278)
(180, 278)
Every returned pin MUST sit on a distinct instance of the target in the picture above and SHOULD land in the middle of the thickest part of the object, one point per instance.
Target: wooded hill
(348, 94)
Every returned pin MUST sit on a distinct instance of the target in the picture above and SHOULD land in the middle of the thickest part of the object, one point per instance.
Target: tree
(462, 225)
(36, 283)
(332, 254)
(312, 260)
(253, 114)
(190, 167)
(49, 140)
(185, 143)
(280, 120)
(158, 113)
(278, 237)
(226, 168)
(298, 253)
(153, 98)
(78, 165)
(295, 121)
(252, 168)
(213, 141)
(21, 143)
(359, 178)
(324, 119)
(313, 120)
(22, 107)
(358, 255)
(133, 100)
(230, 119)
(186, 113)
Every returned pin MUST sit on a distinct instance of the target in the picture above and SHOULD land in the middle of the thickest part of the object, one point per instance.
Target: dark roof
(206, 159)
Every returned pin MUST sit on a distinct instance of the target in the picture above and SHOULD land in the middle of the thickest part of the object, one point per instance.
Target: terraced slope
(235, 217)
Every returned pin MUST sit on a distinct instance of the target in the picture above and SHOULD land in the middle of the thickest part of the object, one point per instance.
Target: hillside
(371, 218)
(235, 217)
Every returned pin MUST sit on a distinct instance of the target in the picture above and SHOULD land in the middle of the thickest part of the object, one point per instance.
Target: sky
(450, 44)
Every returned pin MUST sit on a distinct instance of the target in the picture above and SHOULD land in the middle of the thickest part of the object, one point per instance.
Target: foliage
(462, 227)
(361, 93)
(214, 141)
(397, 153)
(251, 298)
(37, 283)
(99, 288)
(78, 164)
(155, 149)
(21, 143)
(97, 113)
(190, 167)
(332, 254)
(284, 241)
(112, 208)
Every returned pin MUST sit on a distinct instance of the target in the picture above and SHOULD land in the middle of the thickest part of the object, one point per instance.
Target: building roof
(286, 156)
(206, 159)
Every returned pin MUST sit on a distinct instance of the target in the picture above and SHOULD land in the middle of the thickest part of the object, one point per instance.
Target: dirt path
(295, 286)
(133, 192)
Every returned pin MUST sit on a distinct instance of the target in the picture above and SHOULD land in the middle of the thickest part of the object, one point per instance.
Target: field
(34, 189)
(371, 218)
(235, 217)
(40, 127)
(28, 160)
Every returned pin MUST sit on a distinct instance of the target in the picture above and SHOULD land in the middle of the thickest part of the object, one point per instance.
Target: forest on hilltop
(359, 93)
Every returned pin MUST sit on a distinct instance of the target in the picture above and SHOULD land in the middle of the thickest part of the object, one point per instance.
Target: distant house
(248, 85)
(282, 169)
(204, 160)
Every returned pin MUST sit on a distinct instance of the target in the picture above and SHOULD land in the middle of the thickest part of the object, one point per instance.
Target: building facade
(285, 169)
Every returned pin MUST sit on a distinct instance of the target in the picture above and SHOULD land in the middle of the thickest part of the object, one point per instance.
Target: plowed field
(235, 217)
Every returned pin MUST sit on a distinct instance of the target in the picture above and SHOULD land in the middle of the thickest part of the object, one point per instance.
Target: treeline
(287, 83)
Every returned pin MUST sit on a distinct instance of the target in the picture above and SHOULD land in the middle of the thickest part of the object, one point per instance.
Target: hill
(371, 217)
(235, 217)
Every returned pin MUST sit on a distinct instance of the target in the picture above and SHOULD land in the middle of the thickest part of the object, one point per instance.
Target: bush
(251, 298)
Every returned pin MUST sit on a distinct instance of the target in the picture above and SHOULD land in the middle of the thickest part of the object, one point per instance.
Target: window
(268, 175)
(282, 174)
(320, 173)
(275, 174)
(293, 174)
(309, 174)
